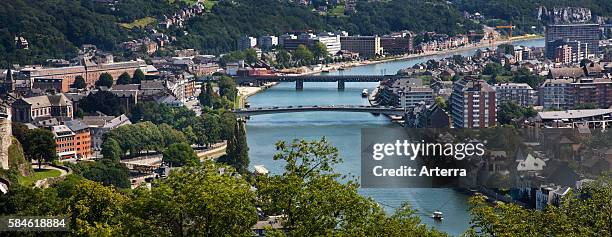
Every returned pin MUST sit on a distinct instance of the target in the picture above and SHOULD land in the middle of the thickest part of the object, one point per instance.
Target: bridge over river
(299, 80)
(334, 108)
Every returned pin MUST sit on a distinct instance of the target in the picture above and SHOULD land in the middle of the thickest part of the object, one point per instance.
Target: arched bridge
(334, 108)
(299, 80)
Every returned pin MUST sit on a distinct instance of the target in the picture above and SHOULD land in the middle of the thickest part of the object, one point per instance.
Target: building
(571, 93)
(366, 46)
(90, 71)
(584, 33)
(473, 104)
(246, 42)
(520, 93)
(64, 139)
(588, 116)
(330, 40)
(81, 138)
(406, 93)
(267, 42)
(555, 94)
(398, 43)
(563, 54)
(30, 109)
(427, 116)
(100, 125)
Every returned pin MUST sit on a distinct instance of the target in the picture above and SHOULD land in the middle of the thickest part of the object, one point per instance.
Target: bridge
(299, 80)
(333, 108)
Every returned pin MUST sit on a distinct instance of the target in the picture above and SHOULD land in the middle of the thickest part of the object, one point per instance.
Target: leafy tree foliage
(585, 212)
(79, 83)
(105, 80)
(138, 77)
(303, 54)
(124, 79)
(39, 144)
(180, 154)
(111, 149)
(237, 150)
(108, 172)
(102, 101)
(510, 111)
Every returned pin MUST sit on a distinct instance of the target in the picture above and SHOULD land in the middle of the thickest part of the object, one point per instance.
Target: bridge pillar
(340, 85)
(299, 85)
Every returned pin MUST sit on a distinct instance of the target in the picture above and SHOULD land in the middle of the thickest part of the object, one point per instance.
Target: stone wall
(5, 138)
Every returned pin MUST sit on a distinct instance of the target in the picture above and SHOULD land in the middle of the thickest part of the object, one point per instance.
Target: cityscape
(257, 118)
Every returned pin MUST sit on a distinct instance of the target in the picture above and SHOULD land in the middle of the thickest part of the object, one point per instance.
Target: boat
(437, 215)
(364, 93)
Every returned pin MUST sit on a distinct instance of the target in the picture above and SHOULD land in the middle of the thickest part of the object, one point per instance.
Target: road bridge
(333, 108)
(299, 80)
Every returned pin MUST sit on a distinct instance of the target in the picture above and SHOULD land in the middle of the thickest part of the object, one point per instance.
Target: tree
(40, 145)
(237, 150)
(510, 111)
(124, 79)
(584, 212)
(199, 201)
(319, 50)
(283, 57)
(105, 102)
(525, 76)
(138, 77)
(315, 203)
(180, 154)
(227, 88)
(94, 209)
(171, 135)
(250, 56)
(207, 96)
(111, 149)
(442, 103)
(108, 172)
(79, 82)
(303, 54)
(105, 79)
(20, 131)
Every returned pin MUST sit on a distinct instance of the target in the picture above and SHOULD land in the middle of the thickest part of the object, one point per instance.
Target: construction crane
(509, 27)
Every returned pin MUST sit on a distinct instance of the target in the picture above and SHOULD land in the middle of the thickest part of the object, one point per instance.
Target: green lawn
(38, 175)
(141, 23)
(337, 11)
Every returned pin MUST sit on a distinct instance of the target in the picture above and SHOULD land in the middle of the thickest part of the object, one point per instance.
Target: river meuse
(343, 131)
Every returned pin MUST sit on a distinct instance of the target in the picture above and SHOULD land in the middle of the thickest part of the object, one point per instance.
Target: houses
(99, 125)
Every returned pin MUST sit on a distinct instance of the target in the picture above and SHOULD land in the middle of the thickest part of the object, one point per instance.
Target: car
(299, 106)
(289, 106)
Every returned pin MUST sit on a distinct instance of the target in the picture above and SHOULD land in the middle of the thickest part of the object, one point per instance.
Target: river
(343, 131)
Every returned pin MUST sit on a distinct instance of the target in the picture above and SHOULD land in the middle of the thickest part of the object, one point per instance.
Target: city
(165, 124)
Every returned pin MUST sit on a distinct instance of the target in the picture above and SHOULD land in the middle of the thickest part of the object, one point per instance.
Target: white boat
(437, 215)
(364, 93)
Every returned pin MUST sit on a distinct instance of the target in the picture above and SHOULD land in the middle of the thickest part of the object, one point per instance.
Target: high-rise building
(330, 40)
(246, 42)
(520, 93)
(572, 93)
(267, 42)
(563, 54)
(584, 33)
(398, 43)
(366, 46)
(473, 104)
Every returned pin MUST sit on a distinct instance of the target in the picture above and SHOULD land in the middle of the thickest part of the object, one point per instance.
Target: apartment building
(366, 46)
(473, 104)
(520, 93)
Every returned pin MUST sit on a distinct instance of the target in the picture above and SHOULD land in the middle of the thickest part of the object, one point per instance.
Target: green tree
(207, 96)
(138, 77)
(180, 154)
(319, 50)
(171, 135)
(303, 54)
(250, 56)
(105, 80)
(199, 201)
(108, 172)
(96, 210)
(237, 150)
(111, 149)
(79, 82)
(40, 145)
(442, 103)
(227, 88)
(315, 203)
(124, 79)
(105, 102)
(283, 57)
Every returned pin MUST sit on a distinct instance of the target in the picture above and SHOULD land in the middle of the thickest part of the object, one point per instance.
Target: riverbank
(245, 91)
(346, 65)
